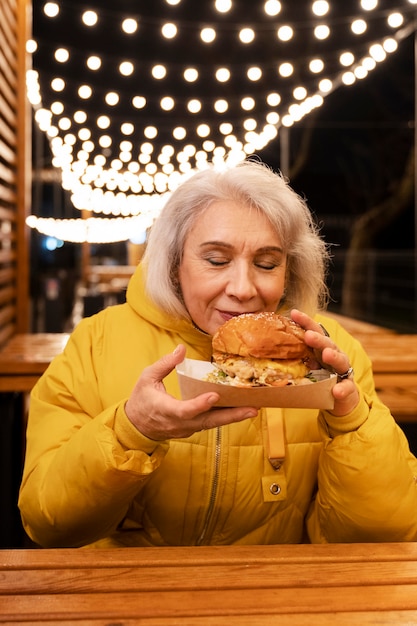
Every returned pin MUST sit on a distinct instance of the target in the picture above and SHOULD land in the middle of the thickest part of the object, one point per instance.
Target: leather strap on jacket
(276, 439)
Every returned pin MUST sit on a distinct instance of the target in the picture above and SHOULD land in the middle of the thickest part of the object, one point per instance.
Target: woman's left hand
(328, 355)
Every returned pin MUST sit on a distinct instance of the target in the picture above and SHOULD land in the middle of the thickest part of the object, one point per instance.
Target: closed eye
(267, 266)
(268, 263)
(217, 260)
(217, 263)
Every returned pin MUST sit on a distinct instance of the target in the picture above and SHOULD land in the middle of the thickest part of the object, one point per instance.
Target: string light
(142, 136)
(90, 230)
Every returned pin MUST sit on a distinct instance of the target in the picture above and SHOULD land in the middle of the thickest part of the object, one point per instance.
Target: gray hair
(255, 185)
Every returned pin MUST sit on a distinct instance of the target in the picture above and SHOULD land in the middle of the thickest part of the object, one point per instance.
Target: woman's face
(233, 263)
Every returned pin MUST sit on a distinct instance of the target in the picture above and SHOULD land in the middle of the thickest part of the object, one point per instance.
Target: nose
(241, 283)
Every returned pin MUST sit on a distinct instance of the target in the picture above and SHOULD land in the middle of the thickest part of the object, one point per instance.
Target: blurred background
(129, 98)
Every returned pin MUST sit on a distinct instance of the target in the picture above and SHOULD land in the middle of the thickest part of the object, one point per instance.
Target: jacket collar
(138, 300)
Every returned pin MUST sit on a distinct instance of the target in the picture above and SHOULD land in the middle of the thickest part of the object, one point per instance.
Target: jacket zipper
(214, 486)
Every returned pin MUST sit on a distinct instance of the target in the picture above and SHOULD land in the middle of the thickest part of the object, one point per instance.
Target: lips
(227, 315)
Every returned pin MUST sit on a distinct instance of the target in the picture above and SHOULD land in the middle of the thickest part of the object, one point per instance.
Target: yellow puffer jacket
(91, 478)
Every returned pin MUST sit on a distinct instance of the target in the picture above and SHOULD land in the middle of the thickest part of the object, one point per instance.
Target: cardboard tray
(311, 395)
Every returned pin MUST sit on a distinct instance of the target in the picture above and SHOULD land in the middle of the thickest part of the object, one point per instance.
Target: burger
(260, 349)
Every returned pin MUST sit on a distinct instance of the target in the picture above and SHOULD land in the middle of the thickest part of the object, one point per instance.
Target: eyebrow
(222, 244)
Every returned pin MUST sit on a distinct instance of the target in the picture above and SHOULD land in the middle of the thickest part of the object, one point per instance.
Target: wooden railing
(14, 170)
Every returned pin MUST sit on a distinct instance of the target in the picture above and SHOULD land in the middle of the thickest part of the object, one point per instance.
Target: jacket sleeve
(367, 476)
(84, 463)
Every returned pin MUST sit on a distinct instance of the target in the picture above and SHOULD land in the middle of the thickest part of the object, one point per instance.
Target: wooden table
(394, 362)
(24, 359)
(301, 585)
(390, 353)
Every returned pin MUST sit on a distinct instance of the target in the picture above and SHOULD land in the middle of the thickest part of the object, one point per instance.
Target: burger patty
(248, 371)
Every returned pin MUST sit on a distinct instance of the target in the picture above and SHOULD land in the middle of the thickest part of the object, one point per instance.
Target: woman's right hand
(159, 416)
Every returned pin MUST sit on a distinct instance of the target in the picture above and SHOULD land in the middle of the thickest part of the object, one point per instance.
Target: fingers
(168, 418)
(325, 350)
(346, 398)
(329, 356)
(305, 321)
(345, 392)
(198, 414)
(335, 360)
(160, 416)
(161, 368)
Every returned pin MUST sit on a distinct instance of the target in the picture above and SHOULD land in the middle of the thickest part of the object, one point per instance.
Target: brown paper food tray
(312, 395)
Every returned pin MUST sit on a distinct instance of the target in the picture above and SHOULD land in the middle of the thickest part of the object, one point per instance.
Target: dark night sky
(361, 139)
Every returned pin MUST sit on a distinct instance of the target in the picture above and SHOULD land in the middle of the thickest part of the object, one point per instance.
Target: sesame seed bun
(257, 349)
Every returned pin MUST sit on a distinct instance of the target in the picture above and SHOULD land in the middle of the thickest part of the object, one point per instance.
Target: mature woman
(116, 458)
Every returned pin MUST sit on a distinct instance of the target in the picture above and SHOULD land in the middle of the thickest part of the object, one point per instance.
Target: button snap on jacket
(274, 487)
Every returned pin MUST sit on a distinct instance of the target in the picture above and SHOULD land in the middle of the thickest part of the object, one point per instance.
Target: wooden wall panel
(15, 168)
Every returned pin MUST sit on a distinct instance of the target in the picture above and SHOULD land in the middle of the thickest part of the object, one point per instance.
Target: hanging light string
(123, 147)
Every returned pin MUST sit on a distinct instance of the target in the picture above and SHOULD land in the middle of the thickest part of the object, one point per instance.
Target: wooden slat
(7, 195)
(9, 7)
(9, 96)
(6, 332)
(7, 256)
(8, 237)
(9, 22)
(301, 585)
(7, 110)
(359, 618)
(8, 59)
(7, 214)
(7, 314)
(7, 174)
(7, 294)
(203, 577)
(6, 275)
(7, 133)
(245, 602)
(7, 152)
(317, 554)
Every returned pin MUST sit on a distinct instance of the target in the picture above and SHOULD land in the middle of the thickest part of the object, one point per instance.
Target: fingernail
(176, 351)
(251, 413)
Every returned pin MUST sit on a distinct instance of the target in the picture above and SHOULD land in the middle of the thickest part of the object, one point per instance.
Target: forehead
(229, 216)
